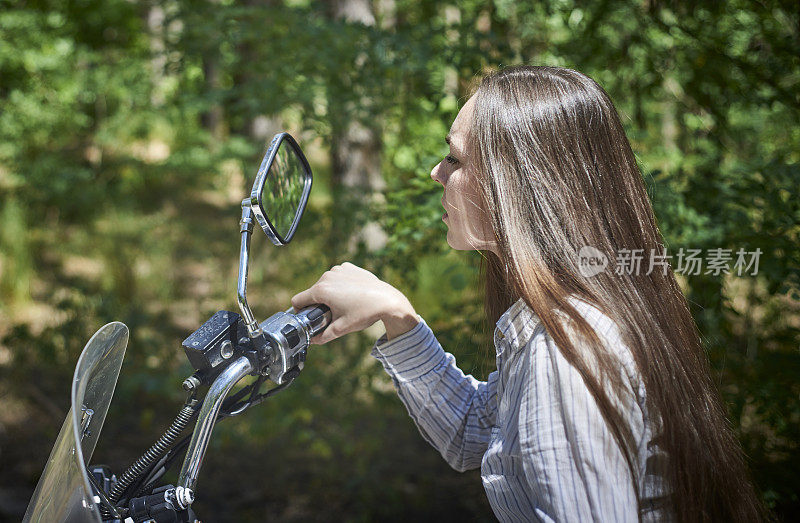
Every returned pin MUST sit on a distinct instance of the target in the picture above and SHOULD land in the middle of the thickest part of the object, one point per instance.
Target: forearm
(454, 412)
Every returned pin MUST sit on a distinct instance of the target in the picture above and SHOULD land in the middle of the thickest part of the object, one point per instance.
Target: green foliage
(128, 138)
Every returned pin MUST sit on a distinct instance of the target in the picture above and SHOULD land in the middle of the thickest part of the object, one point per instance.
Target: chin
(462, 244)
(456, 243)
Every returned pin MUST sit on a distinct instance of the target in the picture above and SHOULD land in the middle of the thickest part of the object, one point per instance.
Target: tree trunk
(158, 57)
(356, 154)
(213, 119)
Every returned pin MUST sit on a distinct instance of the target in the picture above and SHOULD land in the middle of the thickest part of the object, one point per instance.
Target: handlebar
(316, 317)
(205, 424)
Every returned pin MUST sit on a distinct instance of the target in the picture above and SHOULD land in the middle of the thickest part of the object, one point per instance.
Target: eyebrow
(449, 141)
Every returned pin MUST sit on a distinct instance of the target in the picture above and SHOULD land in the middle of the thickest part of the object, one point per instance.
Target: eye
(451, 160)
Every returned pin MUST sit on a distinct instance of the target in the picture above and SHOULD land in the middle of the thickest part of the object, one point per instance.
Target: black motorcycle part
(101, 478)
(159, 507)
(213, 344)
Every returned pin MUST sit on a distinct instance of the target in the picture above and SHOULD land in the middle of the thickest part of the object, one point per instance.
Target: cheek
(466, 194)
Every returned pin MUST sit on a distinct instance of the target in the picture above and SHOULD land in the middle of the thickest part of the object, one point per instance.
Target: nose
(436, 173)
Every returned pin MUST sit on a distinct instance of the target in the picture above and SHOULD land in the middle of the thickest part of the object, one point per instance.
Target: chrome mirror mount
(276, 202)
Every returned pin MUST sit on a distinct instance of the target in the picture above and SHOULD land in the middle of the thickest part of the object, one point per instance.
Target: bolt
(190, 384)
(226, 349)
(184, 496)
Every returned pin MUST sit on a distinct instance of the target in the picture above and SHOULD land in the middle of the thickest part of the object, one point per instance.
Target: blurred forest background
(131, 130)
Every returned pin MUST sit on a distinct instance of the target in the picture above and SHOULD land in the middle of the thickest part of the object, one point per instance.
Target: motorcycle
(223, 351)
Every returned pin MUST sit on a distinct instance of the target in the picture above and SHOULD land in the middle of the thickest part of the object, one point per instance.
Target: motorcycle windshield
(64, 492)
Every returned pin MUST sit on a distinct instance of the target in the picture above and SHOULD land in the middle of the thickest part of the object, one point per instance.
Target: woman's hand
(357, 299)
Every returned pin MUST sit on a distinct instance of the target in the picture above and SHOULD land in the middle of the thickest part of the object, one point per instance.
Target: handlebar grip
(316, 317)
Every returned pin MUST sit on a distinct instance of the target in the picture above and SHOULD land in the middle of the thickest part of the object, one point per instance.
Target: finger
(303, 299)
(333, 331)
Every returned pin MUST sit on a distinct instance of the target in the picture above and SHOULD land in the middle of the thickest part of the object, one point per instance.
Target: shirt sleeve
(571, 460)
(453, 412)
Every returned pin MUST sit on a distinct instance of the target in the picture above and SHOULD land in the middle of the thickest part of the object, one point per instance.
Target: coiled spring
(153, 454)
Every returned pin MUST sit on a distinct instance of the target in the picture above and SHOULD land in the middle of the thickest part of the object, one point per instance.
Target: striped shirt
(533, 428)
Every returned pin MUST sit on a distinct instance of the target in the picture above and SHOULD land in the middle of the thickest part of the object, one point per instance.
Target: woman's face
(468, 224)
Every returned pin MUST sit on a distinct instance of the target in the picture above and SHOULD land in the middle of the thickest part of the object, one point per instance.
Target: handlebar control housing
(290, 335)
(279, 352)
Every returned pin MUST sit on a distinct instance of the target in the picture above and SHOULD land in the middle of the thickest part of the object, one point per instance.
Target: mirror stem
(246, 228)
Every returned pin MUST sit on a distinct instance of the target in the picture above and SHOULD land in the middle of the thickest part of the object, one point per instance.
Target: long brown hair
(557, 174)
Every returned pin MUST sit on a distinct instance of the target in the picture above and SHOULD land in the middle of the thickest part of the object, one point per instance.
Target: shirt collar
(516, 325)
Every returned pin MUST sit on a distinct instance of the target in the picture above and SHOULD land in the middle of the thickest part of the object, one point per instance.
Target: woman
(601, 407)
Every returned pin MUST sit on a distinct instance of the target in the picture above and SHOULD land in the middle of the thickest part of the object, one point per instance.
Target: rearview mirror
(281, 189)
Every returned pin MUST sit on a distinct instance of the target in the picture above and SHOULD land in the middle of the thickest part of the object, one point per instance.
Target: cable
(152, 455)
(233, 406)
(255, 400)
(160, 467)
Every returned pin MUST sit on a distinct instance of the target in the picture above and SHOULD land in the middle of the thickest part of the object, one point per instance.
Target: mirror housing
(277, 202)
(279, 173)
